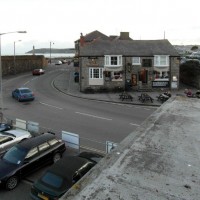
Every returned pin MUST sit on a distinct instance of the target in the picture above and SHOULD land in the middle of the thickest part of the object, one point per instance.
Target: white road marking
(134, 124)
(51, 106)
(92, 116)
(27, 83)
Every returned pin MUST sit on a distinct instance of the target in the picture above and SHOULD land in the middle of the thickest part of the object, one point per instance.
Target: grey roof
(94, 35)
(101, 47)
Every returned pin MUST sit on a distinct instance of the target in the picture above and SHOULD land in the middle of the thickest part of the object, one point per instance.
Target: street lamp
(50, 51)
(1, 94)
(14, 56)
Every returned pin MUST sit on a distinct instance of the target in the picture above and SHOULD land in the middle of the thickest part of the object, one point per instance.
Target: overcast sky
(62, 21)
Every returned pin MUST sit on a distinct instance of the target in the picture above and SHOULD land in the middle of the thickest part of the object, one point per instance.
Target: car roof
(16, 132)
(70, 164)
(23, 88)
(35, 141)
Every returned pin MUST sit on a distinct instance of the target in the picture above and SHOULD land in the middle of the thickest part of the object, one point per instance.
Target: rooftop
(159, 161)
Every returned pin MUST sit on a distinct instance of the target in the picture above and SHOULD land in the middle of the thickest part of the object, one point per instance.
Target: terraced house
(118, 62)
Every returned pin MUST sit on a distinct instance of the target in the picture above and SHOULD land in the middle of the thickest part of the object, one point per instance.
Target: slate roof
(94, 35)
(100, 47)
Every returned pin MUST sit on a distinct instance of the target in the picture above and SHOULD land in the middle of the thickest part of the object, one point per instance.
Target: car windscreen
(15, 155)
(52, 179)
(2, 127)
(4, 139)
(25, 91)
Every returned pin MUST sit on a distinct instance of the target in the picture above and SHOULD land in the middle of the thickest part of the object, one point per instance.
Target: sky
(60, 22)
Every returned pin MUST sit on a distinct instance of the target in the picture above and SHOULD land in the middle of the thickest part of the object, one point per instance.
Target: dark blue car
(23, 94)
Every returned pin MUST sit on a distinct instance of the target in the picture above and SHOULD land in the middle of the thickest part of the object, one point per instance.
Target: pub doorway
(143, 76)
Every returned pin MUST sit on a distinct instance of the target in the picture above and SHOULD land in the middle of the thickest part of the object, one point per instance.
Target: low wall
(22, 63)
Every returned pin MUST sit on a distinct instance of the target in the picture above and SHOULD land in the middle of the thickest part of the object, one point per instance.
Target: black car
(28, 156)
(60, 177)
(91, 156)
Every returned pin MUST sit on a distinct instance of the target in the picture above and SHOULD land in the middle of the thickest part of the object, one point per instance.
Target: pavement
(65, 83)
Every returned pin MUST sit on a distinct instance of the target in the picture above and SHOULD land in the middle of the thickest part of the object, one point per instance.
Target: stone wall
(127, 71)
(190, 73)
(22, 63)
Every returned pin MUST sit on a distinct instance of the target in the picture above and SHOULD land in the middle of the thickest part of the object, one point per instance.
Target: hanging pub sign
(76, 62)
(160, 84)
(92, 62)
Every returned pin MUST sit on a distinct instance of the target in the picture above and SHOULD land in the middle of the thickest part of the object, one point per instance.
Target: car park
(23, 94)
(29, 156)
(60, 177)
(38, 72)
(10, 137)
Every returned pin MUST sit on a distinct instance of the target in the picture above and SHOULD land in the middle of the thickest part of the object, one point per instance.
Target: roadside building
(119, 62)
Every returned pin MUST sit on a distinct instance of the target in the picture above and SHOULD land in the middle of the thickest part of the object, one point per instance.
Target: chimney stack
(124, 36)
(82, 40)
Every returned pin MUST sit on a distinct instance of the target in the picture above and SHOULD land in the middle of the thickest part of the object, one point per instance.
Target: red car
(38, 71)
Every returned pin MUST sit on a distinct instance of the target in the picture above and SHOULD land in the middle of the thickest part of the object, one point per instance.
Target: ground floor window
(113, 75)
(161, 75)
(96, 73)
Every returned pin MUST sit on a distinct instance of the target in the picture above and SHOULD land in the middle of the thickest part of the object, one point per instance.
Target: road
(92, 120)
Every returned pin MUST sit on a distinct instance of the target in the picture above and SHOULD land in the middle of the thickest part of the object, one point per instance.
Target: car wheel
(11, 183)
(56, 157)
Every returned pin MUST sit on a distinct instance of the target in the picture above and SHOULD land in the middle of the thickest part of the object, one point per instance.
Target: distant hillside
(53, 51)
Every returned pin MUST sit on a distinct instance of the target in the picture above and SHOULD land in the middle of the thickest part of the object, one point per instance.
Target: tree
(194, 48)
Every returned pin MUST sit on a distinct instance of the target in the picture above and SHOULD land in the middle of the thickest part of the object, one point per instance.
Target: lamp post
(50, 51)
(1, 94)
(14, 56)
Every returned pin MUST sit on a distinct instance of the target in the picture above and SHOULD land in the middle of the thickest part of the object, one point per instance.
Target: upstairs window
(136, 61)
(161, 61)
(146, 62)
(113, 60)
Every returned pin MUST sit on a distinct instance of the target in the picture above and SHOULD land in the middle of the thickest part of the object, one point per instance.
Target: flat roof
(158, 161)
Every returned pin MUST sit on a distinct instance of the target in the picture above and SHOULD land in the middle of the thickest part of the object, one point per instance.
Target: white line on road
(134, 124)
(92, 116)
(51, 106)
(26, 82)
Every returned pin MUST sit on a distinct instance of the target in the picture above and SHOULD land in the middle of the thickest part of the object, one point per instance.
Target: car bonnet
(6, 168)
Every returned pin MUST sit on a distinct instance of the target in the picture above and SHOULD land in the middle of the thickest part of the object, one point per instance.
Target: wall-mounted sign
(160, 84)
(174, 84)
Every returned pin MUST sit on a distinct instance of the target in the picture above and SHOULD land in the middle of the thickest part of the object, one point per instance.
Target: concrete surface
(159, 161)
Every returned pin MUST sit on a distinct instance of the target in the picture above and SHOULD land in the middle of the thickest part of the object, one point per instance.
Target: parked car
(38, 72)
(28, 156)
(23, 94)
(91, 156)
(64, 61)
(5, 127)
(10, 137)
(60, 177)
(58, 62)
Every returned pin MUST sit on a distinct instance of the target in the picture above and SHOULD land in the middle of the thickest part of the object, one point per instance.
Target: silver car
(11, 137)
